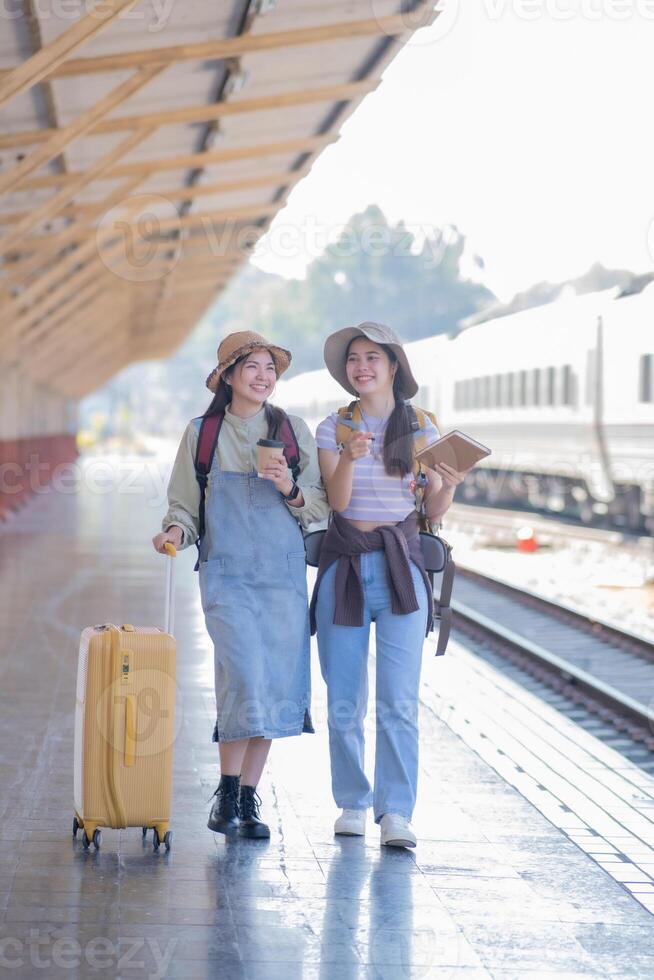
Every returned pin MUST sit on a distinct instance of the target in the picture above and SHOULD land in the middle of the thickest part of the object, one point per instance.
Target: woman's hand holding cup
(272, 465)
(276, 471)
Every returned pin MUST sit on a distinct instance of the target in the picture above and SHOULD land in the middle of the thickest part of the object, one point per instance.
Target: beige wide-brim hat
(243, 342)
(336, 348)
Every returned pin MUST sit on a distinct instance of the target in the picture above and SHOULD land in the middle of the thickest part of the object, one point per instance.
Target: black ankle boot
(224, 813)
(250, 824)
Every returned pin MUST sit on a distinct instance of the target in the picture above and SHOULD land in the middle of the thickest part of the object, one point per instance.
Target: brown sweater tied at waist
(345, 543)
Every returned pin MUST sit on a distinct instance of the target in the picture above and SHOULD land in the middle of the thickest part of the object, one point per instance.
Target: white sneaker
(396, 831)
(351, 823)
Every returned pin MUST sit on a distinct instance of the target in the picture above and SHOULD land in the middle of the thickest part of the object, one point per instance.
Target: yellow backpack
(419, 416)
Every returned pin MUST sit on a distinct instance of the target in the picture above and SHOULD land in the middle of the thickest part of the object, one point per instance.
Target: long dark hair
(398, 442)
(223, 397)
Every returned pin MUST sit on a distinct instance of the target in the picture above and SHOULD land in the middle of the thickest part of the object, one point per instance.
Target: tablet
(456, 448)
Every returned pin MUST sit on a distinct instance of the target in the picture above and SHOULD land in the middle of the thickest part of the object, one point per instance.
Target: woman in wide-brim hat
(252, 566)
(372, 570)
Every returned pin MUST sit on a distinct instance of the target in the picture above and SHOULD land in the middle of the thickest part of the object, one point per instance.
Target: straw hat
(336, 348)
(237, 345)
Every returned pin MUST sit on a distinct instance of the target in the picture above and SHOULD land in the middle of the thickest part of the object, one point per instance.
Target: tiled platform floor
(493, 890)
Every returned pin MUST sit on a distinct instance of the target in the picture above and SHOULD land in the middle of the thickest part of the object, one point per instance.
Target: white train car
(563, 394)
(628, 395)
(312, 395)
(429, 359)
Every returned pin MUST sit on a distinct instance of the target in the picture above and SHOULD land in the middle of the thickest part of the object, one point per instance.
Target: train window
(567, 391)
(423, 396)
(487, 391)
(497, 390)
(522, 396)
(646, 380)
(535, 386)
(550, 385)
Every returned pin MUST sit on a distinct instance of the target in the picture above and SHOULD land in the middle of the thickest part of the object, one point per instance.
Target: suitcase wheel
(167, 840)
(76, 826)
(96, 840)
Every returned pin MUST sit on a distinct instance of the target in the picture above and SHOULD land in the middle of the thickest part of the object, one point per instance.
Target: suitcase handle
(169, 608)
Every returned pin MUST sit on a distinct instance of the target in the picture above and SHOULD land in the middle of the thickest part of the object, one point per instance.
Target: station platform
(536, 843)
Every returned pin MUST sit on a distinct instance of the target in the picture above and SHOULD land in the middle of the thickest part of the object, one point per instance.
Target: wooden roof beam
(58, 139)
(17, 348)
(181, 193)
(206, 112)
(44, 62)
(205, 221)
(51, 303)
(81, 385)
(54, 205)
(192, 160)
(75, 234)
(84, 329)
(234, 47)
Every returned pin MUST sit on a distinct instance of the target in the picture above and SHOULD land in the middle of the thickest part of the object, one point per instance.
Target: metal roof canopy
(137, 175)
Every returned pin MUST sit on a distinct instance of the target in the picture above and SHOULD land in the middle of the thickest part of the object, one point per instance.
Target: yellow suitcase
(125, 728)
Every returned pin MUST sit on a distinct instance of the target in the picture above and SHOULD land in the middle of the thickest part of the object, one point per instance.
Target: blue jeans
(344, 663)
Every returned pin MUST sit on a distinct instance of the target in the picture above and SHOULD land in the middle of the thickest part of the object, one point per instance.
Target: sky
(525, 123)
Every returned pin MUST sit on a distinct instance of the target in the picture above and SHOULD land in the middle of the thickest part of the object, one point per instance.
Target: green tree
(374, 271)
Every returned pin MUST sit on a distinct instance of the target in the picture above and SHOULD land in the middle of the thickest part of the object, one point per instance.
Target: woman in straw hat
(372, 570)
(251, 563)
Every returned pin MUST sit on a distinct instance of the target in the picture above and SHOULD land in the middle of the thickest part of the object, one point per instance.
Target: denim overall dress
(253, 587)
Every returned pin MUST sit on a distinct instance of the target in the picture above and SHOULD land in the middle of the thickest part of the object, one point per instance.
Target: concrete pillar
(37, 431)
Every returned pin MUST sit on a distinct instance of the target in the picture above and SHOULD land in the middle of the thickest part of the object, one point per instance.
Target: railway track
(597, 674)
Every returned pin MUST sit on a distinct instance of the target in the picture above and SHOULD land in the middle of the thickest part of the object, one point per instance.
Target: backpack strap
(443, 611)
(291, 446)
(206, 448)
(418, 424)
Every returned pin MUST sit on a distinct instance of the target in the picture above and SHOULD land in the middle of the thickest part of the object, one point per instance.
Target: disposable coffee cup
(266, 450)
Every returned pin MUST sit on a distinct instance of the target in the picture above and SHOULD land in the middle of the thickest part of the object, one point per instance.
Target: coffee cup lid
(271, 443)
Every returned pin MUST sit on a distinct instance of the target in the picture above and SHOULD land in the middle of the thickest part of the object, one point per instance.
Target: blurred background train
(563, 394)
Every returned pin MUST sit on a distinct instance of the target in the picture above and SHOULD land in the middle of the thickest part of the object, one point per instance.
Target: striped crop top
(376, 496)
